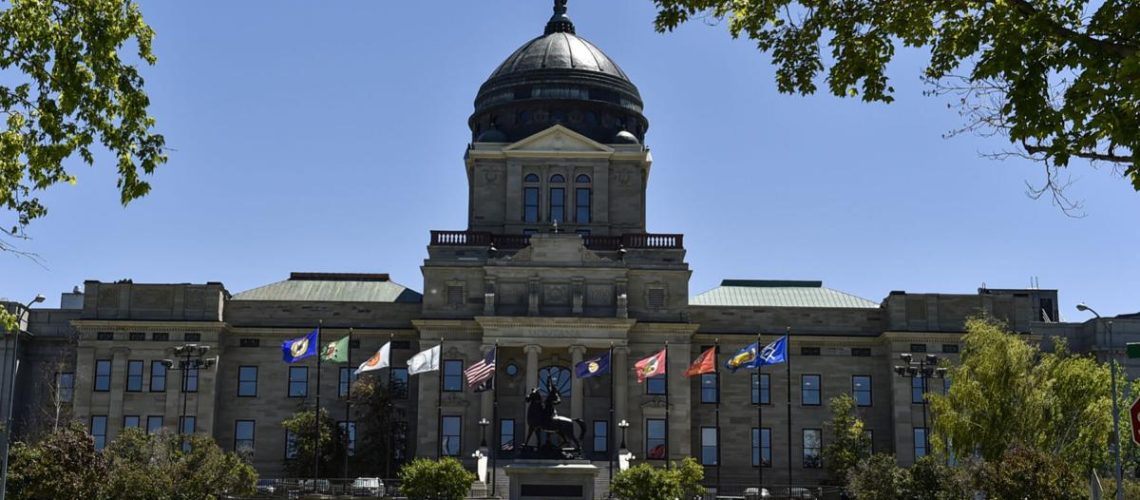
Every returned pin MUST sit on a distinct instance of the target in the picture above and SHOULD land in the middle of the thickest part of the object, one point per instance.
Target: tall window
(813, 448)
(134, 376)
(530, 198)
(153, 424)
(507, 434)
(65, 387)
(102, 376)
(760, 389)
(655, 439)
(601, 436)
(916, 390)
(710, 392)
(131, 421)
(157, 376)
(761, 447)
(99, 430)
(348, 430)
(655, 385)
(809, 394)
(557, 204)
(452, 435)
(399, 382)
(188, 423)
(582, 195)
(290, 445)
(709, 446)
(861, 389)
(298, 381)
(243, 436)
(247, 381)
(345, 381)
(919, 442)
(452, 375)
(190, 379)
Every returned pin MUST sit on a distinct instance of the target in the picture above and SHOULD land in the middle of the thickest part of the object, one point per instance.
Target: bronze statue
(542, 416)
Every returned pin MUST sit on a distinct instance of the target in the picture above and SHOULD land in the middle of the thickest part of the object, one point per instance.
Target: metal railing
(337, 488)
(517, 241)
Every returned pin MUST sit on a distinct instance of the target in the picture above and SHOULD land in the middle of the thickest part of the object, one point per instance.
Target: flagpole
(667, 466)
(496, 438)
(788, 370)
(391, 454)
(317, 413)
(439, 405)
(716, 374)
(610, 425)
(347, 402)
(760, 421)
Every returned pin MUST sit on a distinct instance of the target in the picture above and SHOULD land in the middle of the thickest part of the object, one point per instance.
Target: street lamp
(190, 359)
(11, 400)
(483, 423)
(623, 425)
(1115, 409)
(924, 368)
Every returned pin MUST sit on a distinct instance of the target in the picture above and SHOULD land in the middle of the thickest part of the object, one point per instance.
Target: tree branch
(1026, 8)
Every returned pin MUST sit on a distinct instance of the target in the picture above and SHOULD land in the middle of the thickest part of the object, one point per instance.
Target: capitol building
(554, 267)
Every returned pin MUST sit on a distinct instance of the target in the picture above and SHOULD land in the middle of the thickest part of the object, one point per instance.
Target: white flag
(426, 361)
(382, 359)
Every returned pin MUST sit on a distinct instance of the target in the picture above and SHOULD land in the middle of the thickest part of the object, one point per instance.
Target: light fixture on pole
(189, 359)
(483, 423)
(926, 367)
(623, 425)
(11, 382)
(1115, 409)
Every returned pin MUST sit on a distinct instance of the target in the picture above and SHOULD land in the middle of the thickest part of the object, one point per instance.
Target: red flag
(705, 363)
(650, 367)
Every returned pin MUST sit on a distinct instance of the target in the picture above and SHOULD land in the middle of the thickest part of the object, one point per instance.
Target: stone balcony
(638, 241)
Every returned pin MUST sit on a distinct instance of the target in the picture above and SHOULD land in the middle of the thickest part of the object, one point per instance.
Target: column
(532, 351)
(487, 401)
(621, 378)
(118, 384)
(576, 353)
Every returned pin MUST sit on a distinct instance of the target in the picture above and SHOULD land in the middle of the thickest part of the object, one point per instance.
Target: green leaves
(426, 479)
(849, 443)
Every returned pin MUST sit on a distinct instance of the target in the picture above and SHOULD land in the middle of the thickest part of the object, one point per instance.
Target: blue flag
(300, 348)
(593, 367)
(752, 356)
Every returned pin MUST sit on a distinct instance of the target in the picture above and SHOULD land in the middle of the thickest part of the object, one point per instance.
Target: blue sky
(329, 136)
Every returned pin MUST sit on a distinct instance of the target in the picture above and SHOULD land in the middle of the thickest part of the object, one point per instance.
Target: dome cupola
(558, 78)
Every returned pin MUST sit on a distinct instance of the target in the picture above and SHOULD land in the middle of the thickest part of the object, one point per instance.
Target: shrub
(426, 479)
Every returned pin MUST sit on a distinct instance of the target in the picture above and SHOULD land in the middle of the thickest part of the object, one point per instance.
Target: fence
(349, 488)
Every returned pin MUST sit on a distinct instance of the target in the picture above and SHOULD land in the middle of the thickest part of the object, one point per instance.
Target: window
(1045, 312)
(102, 375)
(131, 421)
(354, 344)
(191, 337)
(870, 442)
(507, 434)
(159, 337)
(452, 375)
(135, 336)
(582, 204)
(99, 430)
(916, 390)
(399, 382)
(243, 436)
(348, 430)
(655, 297)
(809, 394)
(809, 351)
(655, 439)
(188, 424)
(557, 179)
(950, 348)
(531, 178)
(761, 447)
(247, 381)
(530, 204)
(452, 435)
(709, 447)
(861, 352)
(861, 389)
(345, 382)
(582, 179)
(655, 385)
(710, 392)
(918, 348)
(298, 381)
(761, 395)
(104, 336)
(601, 436)
(250, 342)
(559, 376)
(190, 379)
(134, 376)
(153, 424)
(813, 447)
(558, 204)
(946, 385)
(455, 295)
(919, 442)
(157, 376)
(290, 445)
(65, 387)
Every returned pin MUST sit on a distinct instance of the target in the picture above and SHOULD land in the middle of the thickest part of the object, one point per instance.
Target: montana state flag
(300, 348)
(650, 367)
(593, 367)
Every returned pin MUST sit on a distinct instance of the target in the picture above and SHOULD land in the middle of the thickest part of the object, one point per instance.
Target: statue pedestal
(552, 479)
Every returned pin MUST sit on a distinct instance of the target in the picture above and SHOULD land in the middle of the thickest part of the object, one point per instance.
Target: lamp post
(483, 423)
(924, 368)
(190, 358)
(1115, 409)
(11, 382)
(623, 425)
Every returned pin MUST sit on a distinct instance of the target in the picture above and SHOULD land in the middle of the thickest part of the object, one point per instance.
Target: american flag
(479, 372)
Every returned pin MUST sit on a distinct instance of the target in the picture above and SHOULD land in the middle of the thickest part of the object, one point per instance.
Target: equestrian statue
(542, 417)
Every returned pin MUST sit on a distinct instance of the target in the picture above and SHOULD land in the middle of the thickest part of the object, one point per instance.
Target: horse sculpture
(541, 416)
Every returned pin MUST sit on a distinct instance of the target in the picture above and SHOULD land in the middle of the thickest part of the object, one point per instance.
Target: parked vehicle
(368, 487)
(266, 487)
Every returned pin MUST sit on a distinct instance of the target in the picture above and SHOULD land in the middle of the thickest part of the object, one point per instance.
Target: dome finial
(559, 22)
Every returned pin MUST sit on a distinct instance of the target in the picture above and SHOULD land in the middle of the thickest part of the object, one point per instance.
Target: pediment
(558, 139)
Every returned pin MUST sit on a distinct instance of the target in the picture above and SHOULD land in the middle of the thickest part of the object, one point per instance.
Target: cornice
(104, 325)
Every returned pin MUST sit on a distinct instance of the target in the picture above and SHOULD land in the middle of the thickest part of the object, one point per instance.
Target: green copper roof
(333, 287)
(772, 293)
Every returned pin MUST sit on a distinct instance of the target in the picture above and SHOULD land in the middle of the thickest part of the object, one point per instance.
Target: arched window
(583, 197)
(557, 179)
(530, 198)
(583, 179)
(560, 376)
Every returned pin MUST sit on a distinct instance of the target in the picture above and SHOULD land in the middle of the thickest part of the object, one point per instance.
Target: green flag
(336, 351)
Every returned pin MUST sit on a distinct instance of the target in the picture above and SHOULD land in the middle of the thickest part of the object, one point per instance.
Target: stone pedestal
(552, 479)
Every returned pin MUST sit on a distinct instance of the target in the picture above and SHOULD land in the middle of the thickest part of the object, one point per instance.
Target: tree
(849, 442)
(330, 446)
(879, 478)
(1056, 77)
(646, 482)
(426, 479)
(689, 474)
(1025, 473)
(156, 467)
(1009, 394)
(377, 418)
(64, 466)
(69, 88)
